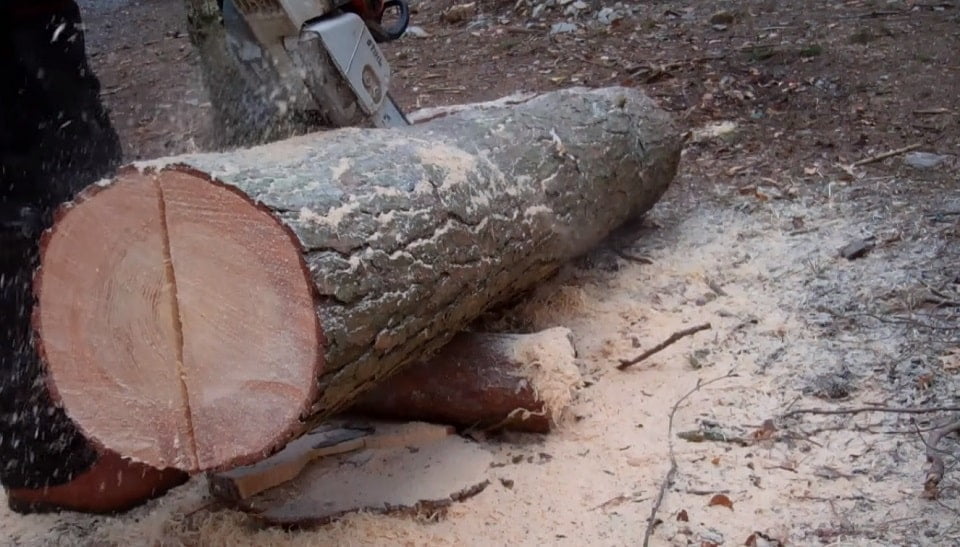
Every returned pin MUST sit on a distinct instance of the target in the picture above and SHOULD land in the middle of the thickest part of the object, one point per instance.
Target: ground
(782, 99)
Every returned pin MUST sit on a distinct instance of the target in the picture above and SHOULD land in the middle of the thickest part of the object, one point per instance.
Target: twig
(865, 409)
(522, 30)
(632, 257)
(626, 363)
(672, 472)
(715, 287)
(942, 303)
(444, 90)
(874, 14)
(932, 111)
(664, 65)
(888, 154)
(113, 90)
(935, 473)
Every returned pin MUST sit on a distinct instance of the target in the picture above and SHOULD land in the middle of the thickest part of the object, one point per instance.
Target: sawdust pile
(736, 263)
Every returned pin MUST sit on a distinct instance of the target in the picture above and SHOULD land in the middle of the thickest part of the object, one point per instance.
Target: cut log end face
(177, 321)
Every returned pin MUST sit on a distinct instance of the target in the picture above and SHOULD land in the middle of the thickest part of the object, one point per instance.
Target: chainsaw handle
(381, 34)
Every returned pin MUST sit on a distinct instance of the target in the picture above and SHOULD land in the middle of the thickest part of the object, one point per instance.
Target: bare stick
(627, 363)
(935, 457)
(864, 409)
(889, 154)
(672, 472)
(632, 257)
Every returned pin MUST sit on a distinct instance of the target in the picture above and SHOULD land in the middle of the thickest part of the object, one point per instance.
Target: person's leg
(55, 139)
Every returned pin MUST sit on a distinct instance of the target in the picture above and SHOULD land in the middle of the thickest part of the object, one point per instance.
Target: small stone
(562, 28)
(575, 8)
(923, 160)
(711, 536)
(856, 249)
(705, 299)
(607, 16)
(722, 18)
(719, 28)
(479, 23)
(416, 32)
(831, 386)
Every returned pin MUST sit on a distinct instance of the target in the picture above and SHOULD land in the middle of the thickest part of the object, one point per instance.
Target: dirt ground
(782, 97)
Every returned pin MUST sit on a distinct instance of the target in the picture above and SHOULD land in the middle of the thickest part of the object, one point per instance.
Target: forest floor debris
(783, 98)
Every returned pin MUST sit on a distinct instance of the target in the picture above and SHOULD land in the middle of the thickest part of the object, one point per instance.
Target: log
(484, 381)
(200, 311)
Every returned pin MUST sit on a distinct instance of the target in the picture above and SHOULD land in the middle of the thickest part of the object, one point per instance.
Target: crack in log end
(103, 322)
(171, 278)
(252, 341)
(178, 322)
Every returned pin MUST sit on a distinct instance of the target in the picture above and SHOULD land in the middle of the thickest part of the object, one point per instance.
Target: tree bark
(199, 311)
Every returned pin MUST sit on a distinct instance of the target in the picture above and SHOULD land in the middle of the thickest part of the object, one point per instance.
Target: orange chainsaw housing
(368, 10)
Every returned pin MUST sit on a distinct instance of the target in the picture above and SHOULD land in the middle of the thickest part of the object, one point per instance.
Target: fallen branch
(864, 409)
(935, 457)
(700, 436)
(627, 363)
(889, 154)
(672, 472)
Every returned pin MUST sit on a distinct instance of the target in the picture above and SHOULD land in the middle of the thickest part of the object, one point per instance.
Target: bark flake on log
(195, 311)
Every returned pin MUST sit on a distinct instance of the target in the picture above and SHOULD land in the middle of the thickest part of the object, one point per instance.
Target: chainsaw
(319, 55)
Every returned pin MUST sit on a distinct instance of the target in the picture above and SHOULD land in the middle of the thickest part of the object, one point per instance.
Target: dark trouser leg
(55, 139)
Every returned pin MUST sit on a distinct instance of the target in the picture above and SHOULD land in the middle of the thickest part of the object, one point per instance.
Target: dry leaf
(721, 499)
(951, 360)
(765, 432)
(458, 13)
(734, 170)
(752, 541)
(715, 460)
(682, 516)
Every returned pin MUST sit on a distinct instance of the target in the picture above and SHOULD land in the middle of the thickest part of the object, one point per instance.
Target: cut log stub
(194, 311)
(486, 381)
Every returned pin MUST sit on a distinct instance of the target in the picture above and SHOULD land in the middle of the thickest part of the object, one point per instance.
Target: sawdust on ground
(733, 261)
(746, 240)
